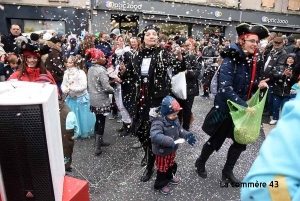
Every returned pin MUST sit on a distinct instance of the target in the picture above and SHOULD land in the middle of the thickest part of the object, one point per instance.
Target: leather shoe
(147, 174)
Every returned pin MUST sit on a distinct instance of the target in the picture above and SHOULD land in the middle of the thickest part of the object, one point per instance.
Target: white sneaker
(273, 122)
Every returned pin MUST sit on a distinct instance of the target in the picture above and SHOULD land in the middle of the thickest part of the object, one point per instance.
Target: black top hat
(260, 30)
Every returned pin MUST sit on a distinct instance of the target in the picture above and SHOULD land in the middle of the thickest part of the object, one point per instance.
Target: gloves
(173, 145)
(190, 138)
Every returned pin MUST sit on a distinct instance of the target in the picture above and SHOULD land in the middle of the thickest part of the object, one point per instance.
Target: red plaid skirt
(163, 163)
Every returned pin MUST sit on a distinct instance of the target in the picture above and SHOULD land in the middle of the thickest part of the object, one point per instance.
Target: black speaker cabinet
(31, 154)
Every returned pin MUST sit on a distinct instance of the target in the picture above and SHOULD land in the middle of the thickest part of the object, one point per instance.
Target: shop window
(294, 5)
(126, 23)
(268, 3)
(213, 32)
(38, 25)
(173, 29)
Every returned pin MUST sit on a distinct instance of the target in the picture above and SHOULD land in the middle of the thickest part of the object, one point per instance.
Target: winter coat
(208, 52)
(282, 83)
(193, 71)
(159, 85)
(75, 80)
(30, 75)
(234, 78)
(297, 66)
(54, 62)
(277, 59)
(163, 134)
(269, 48)
(208, 74)
(98, 86)
(9, 43)
(69, 125)
(289, 48)
(6, 71)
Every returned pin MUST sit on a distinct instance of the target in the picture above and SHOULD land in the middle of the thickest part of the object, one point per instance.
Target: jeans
(278, 103)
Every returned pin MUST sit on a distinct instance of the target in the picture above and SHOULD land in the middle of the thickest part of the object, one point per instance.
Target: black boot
(147, 174)
(102, 143)
(232, 157)
(144, 160)
(98, 150)
(120, 130)
(150, 164)
(200, 162)
(126, 131)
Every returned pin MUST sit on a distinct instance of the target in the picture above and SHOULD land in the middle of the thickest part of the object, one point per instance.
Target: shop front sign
(274, 20)
(122, 6)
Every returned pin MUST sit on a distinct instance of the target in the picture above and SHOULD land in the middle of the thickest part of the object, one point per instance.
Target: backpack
(214, 87)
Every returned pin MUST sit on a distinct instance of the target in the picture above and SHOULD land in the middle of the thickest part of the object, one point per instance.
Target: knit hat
(147, 28)
(115, 32)
(181, 41)
(169, 105)
(55, 39)
(291, 39)
(34, 36)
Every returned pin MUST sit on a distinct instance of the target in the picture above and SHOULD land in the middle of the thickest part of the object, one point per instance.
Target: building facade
(61, 15)
(211, 18)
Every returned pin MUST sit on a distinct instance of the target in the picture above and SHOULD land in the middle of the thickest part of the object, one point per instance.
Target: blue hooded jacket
(278, 160)
(234, 78)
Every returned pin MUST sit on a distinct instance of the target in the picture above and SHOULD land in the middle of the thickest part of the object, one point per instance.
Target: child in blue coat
(165, 130)
(276, 168)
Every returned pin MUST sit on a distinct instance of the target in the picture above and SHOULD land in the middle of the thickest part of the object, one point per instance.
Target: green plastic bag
(247, 123)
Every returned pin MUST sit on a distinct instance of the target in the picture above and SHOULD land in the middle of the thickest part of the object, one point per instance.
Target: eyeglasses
(253, 41)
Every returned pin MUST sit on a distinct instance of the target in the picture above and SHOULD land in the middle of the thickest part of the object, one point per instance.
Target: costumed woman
(234, 83)
(148, 70)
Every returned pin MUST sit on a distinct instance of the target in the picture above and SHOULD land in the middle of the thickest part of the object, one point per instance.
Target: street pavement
(114, 175)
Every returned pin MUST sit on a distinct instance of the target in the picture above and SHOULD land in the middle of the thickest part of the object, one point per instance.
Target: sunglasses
(277, 42)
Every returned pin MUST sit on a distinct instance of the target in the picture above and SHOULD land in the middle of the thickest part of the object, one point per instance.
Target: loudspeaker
(31, 152)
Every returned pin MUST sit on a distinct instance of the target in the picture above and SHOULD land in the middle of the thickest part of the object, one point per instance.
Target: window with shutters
(294, 5)
(268, 3)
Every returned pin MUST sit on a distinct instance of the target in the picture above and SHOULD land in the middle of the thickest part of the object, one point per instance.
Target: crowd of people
(102, 74)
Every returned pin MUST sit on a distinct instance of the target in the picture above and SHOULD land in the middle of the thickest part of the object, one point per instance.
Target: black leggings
(100, 124)
(143, 133)
(185, 115)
